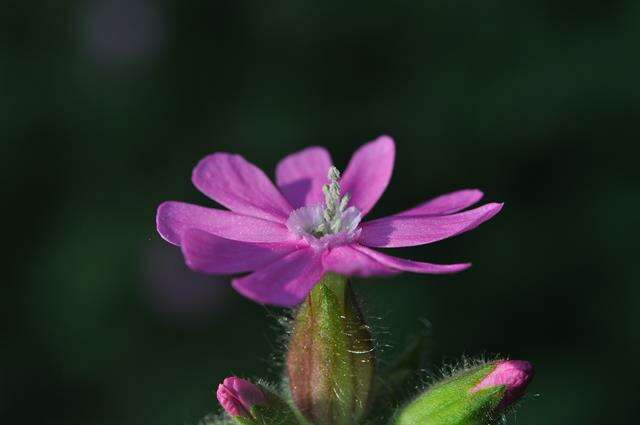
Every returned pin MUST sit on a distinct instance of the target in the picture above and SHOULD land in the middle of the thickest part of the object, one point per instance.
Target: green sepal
(331, 358)
(451, 402)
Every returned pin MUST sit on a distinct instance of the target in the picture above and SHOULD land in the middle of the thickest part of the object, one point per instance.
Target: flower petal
(174, 218)
(240, 186)
(351, 262)
(369, 172)
(410, 265)
(446, 204)
(212, 254)
(411, 230)
(300, 176)
(286, 282)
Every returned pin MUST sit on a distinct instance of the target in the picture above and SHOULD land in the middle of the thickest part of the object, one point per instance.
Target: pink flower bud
(237, 396)
(514, 375)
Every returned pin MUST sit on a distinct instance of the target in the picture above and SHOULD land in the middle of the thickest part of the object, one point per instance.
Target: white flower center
(328, 225)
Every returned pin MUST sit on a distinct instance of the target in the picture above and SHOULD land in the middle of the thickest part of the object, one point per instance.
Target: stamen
(330, 224)
(345, 200)
(334, 174)
(335, 204)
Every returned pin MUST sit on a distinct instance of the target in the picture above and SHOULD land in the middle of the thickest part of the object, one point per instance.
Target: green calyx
(331, 358)
(451, 402)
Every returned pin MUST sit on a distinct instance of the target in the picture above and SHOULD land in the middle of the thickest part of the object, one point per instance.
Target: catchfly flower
(288, 235)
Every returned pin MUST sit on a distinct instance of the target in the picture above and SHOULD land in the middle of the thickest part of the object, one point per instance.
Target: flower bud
(331, 358)
(238, 396)
(513, 375)
(473, 397)
(250, 404)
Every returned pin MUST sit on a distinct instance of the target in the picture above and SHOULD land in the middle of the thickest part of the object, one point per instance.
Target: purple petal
(446, 204)
(369, 172)
(300, 176)
(411, 230)
(208, 253)
(285, 282)
(174, 218)
(351, 262)
(240, 186)
(410, 265)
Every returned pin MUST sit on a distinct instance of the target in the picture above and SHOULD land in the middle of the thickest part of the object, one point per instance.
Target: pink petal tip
(514, 375)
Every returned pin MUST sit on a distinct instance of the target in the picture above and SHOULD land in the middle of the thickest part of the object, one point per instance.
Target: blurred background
(108, 104)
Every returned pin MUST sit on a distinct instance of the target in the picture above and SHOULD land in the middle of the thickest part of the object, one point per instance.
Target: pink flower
(514, 375)
(289, 236)
(237, 396)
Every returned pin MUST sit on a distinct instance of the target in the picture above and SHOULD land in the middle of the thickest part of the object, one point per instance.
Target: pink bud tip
(237, 396)
(514, 375)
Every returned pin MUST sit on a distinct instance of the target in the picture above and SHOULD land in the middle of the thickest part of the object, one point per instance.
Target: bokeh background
(108, 104)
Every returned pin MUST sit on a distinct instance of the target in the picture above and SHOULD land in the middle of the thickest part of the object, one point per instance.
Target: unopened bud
(474, 397)
(238, 396)
(331, 358)
(250, 404)
(513, 375)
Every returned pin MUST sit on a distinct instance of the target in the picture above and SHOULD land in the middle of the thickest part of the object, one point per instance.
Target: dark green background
(106, 106)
